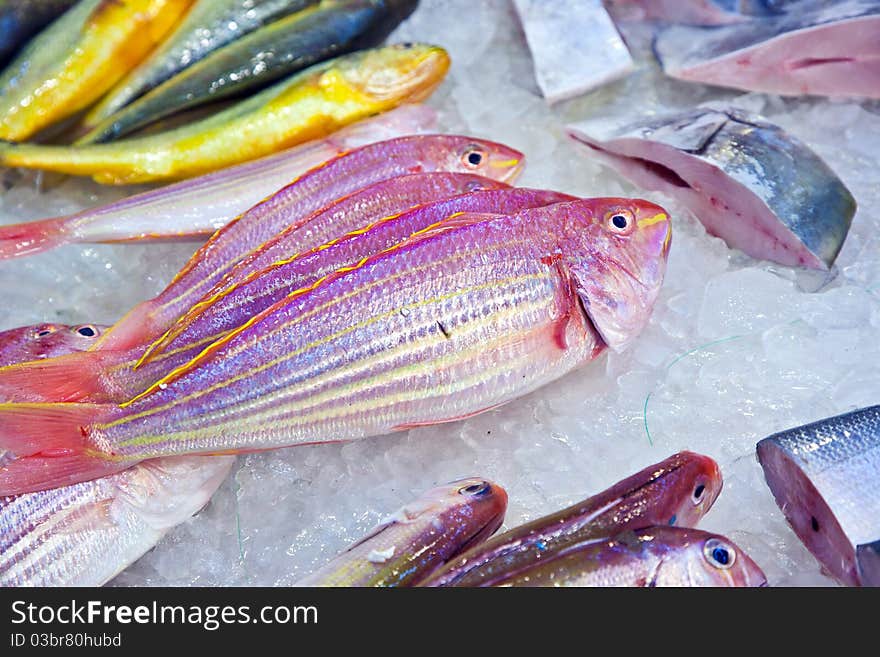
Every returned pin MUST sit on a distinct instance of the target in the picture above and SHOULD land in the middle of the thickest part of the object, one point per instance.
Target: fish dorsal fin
(453, 222)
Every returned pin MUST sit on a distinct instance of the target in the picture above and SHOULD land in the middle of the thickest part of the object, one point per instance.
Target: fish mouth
(484, 532)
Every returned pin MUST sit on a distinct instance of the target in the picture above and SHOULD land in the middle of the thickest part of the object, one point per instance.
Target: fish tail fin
(48, 445)
(72, 377)
(32, 237)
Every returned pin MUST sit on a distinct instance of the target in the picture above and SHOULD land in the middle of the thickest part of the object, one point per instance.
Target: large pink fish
(464, 316)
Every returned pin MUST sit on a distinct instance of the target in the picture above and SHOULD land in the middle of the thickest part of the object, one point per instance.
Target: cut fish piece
(825, 477)
(695, 12)
(825, 48)
(747, 180)
(574, 45)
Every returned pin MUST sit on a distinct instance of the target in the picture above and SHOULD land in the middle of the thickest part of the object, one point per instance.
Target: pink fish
(464, 316)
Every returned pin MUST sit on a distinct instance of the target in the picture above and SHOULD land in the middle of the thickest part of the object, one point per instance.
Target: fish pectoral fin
(91, 517)
(406, 426)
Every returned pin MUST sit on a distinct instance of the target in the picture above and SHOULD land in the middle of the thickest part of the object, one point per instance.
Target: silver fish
(825, 477)
(733, 170)
(826, 48)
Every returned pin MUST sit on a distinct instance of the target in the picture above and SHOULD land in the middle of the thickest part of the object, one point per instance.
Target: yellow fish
(78, 58)
(308, 105)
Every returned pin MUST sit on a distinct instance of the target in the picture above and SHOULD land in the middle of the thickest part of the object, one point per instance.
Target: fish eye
(474, 186)
(473, 156)
(46, 330)
(87, 331)
(697, 495)
(620, 222)
(407, 45)
(719, 554)
(475, 489)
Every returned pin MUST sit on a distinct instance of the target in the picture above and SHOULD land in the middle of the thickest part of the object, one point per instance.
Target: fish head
(691, 557)
(404, 72)
(615, 250)
(692, 482)
(464, 154)
(677, 491)
(474, 506)
(46, 341)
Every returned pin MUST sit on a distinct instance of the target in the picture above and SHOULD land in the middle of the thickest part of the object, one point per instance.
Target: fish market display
(697, 12)
(308, 105)
(416, 539)
(734, 171)
(460, 318)
(825, 477)
(21, 19)
(78, 58)
(201, 205)
(566, 63)
(209, 25)
(827, 48)
(651, 557)
(83, 535)
(46, 341)
(677, 491)
(328, 29)
(267, 275)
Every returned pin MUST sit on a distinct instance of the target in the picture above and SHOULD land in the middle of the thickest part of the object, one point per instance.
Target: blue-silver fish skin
(21, 19)
(209, 25)
(809, 202)
(825, 477)
(328, 29)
